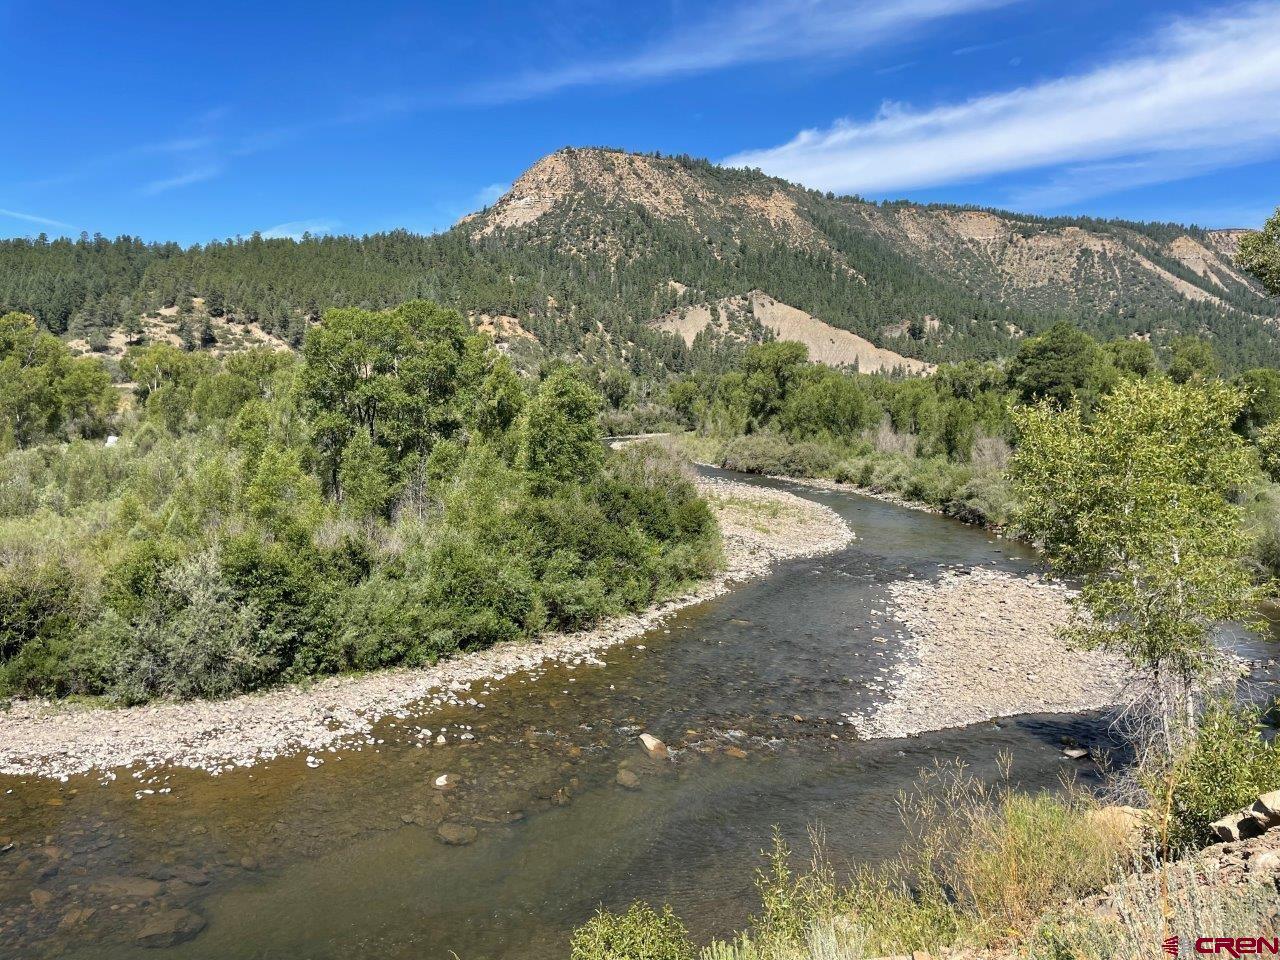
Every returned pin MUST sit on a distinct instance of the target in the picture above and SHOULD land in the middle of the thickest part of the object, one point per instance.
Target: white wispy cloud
(487, 196)
(32, 218)
(194, 175)
(294, 229)
(1201, 94)
(758, 31)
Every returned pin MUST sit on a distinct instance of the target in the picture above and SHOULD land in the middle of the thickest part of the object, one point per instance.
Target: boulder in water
(456, 834)
(170, 927)
(655, 747)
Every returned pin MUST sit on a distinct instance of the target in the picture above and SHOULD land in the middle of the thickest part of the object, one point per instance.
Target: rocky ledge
(760, 527)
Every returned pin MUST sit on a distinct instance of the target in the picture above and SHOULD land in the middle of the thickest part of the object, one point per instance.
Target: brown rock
(75, 916)
(41, 898)
(627, 780)
(1266, 864)
(1236, 826)
(1270, 802)
(456, 834)
(170, 927)
(655, 747)
(128, 888)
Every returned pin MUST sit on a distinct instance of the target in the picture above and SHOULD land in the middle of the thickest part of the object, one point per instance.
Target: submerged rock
(128, 888)
(170, 927)
(456, 834)
(627, 780)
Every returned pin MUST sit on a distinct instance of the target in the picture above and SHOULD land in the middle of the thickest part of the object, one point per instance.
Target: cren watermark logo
(1170, 946)
(1231, 946)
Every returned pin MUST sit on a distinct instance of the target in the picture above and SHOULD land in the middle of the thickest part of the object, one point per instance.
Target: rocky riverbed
(760, 527)
(984, 644)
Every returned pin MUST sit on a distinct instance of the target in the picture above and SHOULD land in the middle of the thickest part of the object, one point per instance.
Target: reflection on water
(345, 858)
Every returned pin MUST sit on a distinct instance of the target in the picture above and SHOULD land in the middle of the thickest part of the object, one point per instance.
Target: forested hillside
(591, 246)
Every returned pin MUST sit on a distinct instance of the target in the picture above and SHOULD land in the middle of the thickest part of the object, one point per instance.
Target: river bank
(759, 527)
(985, 644)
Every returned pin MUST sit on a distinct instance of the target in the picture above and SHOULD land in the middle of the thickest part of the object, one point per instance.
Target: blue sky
(227, 118)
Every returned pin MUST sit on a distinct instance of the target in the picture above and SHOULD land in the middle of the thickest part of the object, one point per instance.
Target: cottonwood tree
(1136, 502)
(1260, 254)
(399, 376)
(561, 441)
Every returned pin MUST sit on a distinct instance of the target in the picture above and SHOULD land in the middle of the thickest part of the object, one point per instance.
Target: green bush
(639, 934)
(1228, 764)
(244, 533)
(772, 454)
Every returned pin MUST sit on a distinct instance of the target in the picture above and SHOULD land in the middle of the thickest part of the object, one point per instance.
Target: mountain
(964, 281)
(757, 316)
(592, 252)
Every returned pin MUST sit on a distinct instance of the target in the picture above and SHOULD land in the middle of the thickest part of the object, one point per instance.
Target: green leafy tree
(1267, 442)
(1260, 254)
(45, 391)
(1061, 365)
(769, 371)
(499, 400)
(1136, 502)
(396, 375)
(364, 478)
(827, 403)
(615, 385)
(1191, 357)
(1130, 357)
(1261, 389)
(561, 439)
(282, 497)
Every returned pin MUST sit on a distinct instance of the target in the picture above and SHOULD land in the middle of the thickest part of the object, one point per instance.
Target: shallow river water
(286, 860)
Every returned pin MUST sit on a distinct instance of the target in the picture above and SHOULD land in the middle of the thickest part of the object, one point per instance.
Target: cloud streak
(186, 178)
(32, 218)
(294, 229)
(1200, 95)
(757, 32)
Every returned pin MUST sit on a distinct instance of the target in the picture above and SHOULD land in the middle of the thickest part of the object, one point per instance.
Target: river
(287, 860)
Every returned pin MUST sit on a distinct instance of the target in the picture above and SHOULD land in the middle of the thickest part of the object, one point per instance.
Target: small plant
(639, 934)
(1172, 902)
(1225, 766)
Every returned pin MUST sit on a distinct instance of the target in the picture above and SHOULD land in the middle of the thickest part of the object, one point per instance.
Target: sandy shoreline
(983, 644)
(760, 528)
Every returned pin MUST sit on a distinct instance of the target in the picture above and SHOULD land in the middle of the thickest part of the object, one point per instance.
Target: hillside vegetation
(393, 495)
(589, 247)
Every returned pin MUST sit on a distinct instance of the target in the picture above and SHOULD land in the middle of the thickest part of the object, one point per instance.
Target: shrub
(1225, 767)
(194, 638)
(639, 934)
(755, 453)
(1173, 901)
